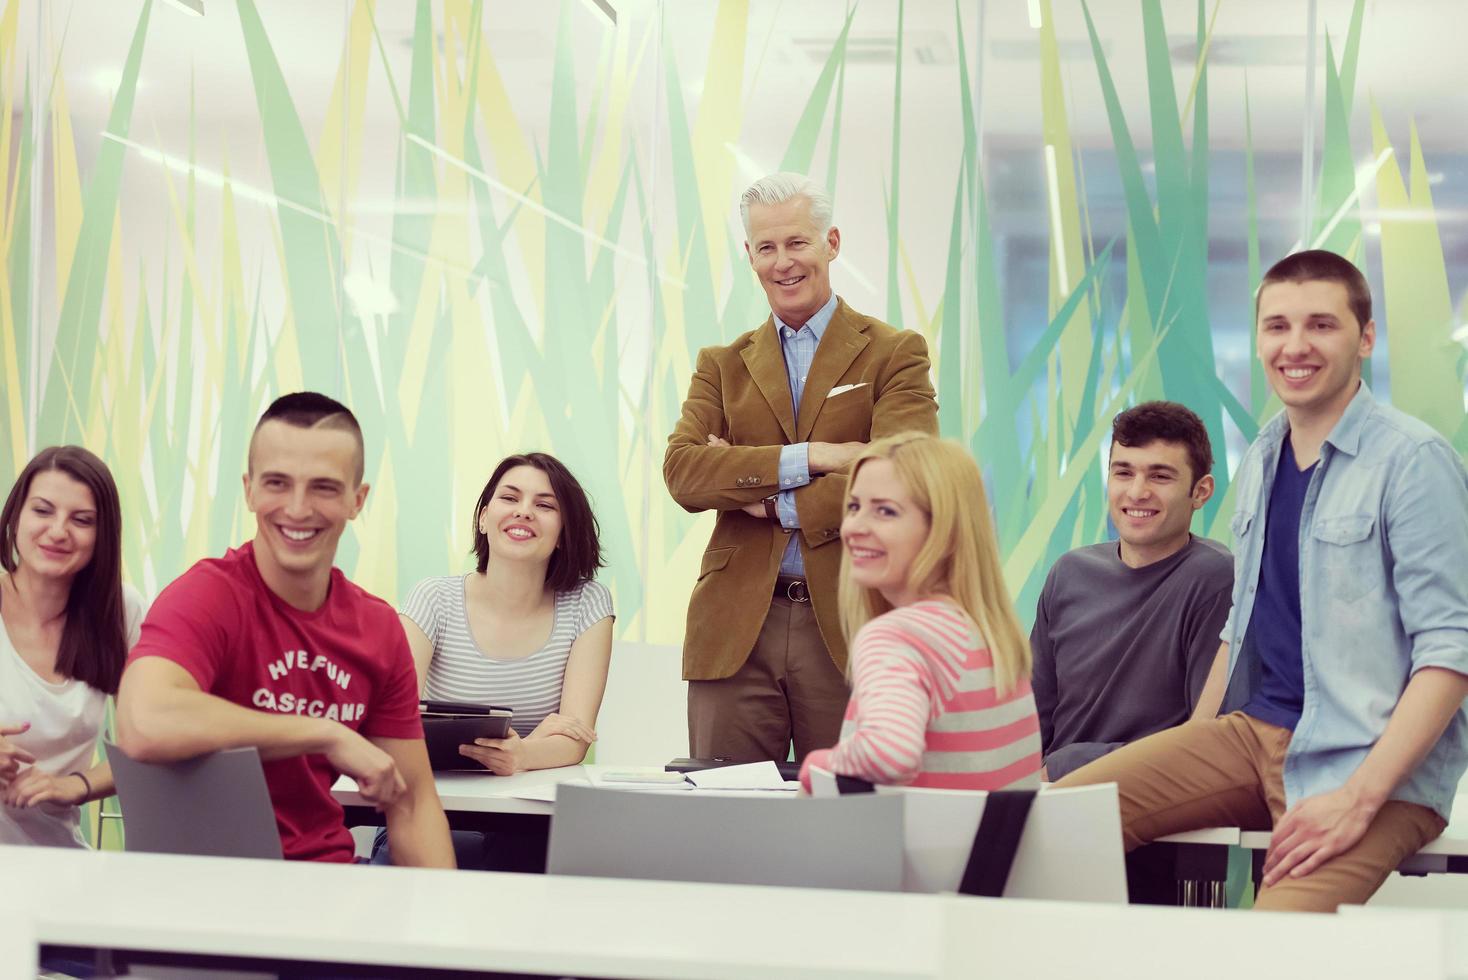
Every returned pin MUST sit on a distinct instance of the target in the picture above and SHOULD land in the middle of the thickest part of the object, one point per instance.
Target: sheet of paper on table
(645, 779)
(749, 776)
(545, 792)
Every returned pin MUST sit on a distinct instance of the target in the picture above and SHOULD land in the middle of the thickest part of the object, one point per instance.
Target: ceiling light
(600, 7)
(370, 297)
(109, 79)
(1057, 225)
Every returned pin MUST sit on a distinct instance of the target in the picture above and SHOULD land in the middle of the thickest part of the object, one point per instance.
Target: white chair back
(215, 805)
(751, 838)
(644, 713)
(1070, 849)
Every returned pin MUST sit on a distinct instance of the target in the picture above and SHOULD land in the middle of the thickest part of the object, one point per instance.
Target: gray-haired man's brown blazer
(741, 394)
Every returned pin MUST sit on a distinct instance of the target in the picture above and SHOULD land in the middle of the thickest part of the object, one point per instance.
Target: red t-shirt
(348, 661)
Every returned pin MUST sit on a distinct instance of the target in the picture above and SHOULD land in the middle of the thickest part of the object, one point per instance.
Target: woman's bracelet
(85, 782)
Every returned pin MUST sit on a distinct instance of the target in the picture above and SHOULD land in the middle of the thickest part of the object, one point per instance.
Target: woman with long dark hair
(67, 624)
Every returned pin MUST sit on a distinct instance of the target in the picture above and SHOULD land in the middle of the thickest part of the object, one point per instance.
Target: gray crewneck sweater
(1122, 652)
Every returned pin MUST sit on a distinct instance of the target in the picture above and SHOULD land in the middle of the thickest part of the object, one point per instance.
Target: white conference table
(18, 953)
(411, 917)
(1033, 940)
(485, 801)
(530, 793)
(471, 792)
(416, 918)
(1453, 923)
(525, 793)
(520, 804)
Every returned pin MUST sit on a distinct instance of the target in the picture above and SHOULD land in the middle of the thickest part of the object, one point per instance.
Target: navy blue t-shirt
(1274, 628)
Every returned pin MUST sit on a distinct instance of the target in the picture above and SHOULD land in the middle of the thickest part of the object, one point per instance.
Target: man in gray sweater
(1126, 631)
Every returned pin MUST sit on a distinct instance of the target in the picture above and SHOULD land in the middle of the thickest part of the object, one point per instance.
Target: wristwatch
(770, 510)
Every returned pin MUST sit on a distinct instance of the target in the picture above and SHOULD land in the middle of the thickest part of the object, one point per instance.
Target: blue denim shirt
(1383, 592)
(799, 347)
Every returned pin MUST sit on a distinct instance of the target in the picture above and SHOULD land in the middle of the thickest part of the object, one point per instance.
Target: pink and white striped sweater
(924, 710)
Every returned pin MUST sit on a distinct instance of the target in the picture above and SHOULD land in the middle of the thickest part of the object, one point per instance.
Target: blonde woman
(939, 664)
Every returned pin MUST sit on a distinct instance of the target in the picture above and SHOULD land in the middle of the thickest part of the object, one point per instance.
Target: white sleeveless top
(461, 671)
(66, 720)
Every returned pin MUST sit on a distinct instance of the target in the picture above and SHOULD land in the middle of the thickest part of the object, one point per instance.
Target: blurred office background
(491, 226)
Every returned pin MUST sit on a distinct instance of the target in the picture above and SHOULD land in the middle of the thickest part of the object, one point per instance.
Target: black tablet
(447, 725)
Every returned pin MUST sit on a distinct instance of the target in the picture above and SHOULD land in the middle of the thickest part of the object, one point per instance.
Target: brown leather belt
(792, 588)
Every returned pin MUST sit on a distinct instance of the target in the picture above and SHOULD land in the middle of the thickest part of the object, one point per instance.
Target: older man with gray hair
(769, 427)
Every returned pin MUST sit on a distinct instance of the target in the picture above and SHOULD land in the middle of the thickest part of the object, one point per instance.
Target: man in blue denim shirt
(1346, 653)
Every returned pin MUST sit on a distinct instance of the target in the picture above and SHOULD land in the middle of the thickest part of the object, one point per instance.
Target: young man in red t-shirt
(272, 647)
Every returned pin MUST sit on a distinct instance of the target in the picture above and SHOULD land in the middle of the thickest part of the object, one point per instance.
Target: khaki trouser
(1229, 773)
(788, 689)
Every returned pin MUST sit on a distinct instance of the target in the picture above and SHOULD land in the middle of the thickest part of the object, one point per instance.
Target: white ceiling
(785, 45)
(786, 38)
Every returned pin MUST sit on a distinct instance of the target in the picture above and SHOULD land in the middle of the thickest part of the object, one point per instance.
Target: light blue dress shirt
(799, 347)
(1383, 592)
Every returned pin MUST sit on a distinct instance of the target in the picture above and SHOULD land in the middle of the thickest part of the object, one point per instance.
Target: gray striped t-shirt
(461, 671)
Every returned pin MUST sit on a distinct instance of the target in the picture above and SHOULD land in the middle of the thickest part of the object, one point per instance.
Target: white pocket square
(843, 388)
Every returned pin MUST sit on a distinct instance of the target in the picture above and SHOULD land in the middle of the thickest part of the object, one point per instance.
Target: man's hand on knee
(1315, 830)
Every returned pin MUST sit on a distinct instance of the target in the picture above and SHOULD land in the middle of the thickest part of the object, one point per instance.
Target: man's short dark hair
(578, 554)
(312, 410)
(1318, 265)
(1168, 422)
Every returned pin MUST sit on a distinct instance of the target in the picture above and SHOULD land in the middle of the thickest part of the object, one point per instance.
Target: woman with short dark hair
(67, 624)
(530, 630)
